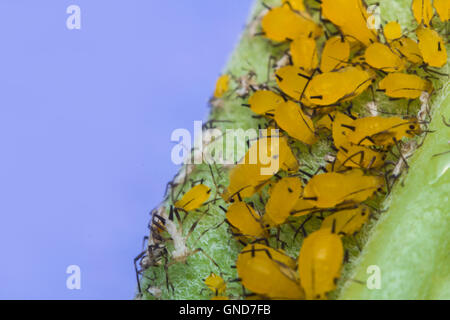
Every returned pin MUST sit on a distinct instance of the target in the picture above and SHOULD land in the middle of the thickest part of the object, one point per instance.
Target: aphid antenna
(302, 228)
(357, 281)
(427, 68)
(137, 271)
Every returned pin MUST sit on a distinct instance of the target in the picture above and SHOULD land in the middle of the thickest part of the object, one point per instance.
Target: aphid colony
(313, 101)
(313, 94)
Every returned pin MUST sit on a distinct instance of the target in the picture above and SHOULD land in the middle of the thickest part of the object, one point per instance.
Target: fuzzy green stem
(411, 243)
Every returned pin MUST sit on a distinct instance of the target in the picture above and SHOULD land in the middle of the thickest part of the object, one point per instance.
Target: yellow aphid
(335, 53)
(422, 11)
(326, 121)
(281, 24)
(216, 284)
(292, 80)
(329, 189)
(392, 31)
(220, 298)
(409, 49)
(402, 85)
(265, 102)
(269, 272)
(351, 17)
(354, 156)
(259, 165)
(339, 131)
(302, 207)
(347, 221)
(281, 151)
(222, 86)
(381, 57)
(332, 87)
(244, 179)
(297, 5)
(379, 131)
(432, 47)
(194, 198)
(304, 53)
(443, 9)
(290, 117)
(283, 196)
(245, 220)
(319, 263)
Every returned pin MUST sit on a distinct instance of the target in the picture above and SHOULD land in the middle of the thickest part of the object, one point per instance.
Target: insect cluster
(330, 65)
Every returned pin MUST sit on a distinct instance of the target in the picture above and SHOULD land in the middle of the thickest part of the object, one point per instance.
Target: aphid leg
(349, 158)
(194, 225)
(270, 64)
(441, 154)
(209, 229)
(400, 151)
(137, 271)
(447, 124)
(301, 227)
(169, 285)
(209, 257)
(321, 168)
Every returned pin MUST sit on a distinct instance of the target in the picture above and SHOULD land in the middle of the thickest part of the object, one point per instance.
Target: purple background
(85, 123)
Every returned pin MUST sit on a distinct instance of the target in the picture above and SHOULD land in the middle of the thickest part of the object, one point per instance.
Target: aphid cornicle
(245, 220)
(290, 117)
(194, 198)
(348, 220)
(282, 23)
(381, 57)
(432, 47)
(269, 272)
(422, 11)
(319, 263)
(402, 85)
(329, 189)
(222, 86)
(283, 196)
(335, 54)
(216, 284)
